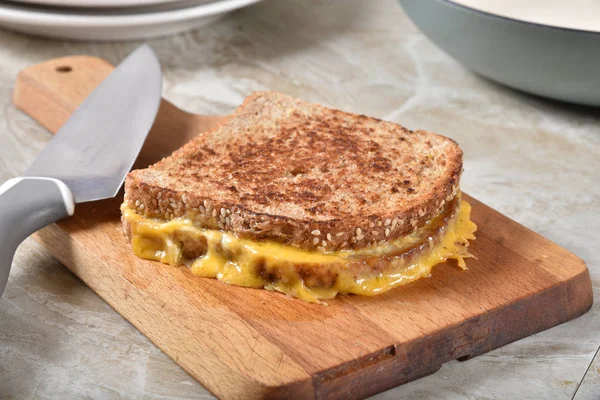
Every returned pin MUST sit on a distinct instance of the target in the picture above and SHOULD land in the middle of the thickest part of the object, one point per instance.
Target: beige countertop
(537, 161)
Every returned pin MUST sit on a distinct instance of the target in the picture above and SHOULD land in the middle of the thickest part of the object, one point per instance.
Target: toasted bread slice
(303, 175)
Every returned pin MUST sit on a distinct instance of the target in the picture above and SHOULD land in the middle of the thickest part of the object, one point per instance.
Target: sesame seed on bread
(302, 174)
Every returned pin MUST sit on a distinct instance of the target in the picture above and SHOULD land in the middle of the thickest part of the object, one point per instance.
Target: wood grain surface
(248, 343)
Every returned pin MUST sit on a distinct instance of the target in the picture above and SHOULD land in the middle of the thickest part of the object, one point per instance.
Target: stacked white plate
(111, 19)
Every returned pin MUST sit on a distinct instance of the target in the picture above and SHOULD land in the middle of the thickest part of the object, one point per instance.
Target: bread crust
(303, 175)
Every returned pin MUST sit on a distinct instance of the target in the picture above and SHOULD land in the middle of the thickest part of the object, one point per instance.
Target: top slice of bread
(302, 174)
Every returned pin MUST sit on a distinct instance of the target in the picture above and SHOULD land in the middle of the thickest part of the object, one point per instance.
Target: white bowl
(559, 62)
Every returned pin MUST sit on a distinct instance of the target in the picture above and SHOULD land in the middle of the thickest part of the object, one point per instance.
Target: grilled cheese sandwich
(240, 245)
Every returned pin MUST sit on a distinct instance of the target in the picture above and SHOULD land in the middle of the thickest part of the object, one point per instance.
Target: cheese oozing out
(239, 261)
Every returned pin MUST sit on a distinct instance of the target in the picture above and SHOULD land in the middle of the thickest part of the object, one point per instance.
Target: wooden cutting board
(248, 343)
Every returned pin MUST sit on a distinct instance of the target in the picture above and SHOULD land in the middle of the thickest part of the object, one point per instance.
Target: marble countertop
(536, 161)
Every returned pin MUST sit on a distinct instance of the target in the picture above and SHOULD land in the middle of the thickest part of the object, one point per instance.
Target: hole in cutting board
(63, 69)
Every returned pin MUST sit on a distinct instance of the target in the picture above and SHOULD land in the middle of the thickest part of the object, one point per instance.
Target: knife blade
(96, 147)
(88, 158)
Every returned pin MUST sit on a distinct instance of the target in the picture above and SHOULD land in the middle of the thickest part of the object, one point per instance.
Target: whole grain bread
(302, 174)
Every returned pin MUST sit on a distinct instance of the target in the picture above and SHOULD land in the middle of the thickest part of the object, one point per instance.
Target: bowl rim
(517, 21)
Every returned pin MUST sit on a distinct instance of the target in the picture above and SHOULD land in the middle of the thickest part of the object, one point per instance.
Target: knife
(88, 158)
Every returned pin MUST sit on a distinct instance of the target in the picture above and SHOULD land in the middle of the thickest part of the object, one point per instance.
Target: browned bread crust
(304, 175)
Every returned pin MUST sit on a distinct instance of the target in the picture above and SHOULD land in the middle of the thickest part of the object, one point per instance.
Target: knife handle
(27, 205)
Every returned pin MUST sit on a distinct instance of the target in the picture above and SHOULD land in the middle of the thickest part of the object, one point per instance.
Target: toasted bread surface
(303, 174)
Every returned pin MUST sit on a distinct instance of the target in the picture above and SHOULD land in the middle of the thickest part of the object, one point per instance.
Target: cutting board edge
(405, 366)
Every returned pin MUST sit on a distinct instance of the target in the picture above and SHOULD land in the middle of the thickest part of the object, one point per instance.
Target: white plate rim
(94, 3)
(20, 14)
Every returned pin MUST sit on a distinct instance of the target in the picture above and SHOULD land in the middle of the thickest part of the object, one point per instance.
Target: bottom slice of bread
(306, 275)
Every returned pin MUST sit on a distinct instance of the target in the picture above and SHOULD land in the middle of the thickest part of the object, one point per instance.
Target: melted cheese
(274, 266)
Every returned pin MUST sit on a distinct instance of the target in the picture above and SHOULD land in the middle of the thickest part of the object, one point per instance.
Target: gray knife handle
(26, 205)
